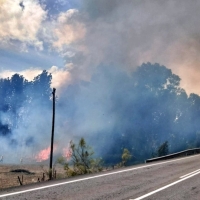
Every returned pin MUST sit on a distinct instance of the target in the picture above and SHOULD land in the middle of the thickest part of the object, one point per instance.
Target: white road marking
(165, 187)
(190, 173)
(92, 177)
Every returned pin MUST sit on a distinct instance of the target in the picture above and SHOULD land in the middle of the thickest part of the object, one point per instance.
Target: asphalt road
(172, 179)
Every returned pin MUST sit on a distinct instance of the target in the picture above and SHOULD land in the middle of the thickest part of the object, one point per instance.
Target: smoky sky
(128, 33)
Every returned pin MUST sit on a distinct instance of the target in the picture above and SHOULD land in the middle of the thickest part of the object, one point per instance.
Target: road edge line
(165, 187)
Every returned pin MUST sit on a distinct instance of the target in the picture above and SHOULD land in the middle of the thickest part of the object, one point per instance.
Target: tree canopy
(19, 98)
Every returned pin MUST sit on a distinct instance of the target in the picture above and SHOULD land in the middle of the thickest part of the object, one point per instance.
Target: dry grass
(31, 173)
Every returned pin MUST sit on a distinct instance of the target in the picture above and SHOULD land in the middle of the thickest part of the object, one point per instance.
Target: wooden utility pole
(52, 135)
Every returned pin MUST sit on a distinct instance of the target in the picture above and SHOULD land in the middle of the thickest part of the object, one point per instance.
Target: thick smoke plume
(129, 33)
(102, 93)
(112, 111)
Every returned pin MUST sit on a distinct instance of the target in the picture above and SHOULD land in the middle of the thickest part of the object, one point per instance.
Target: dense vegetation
(139, 111)
(81, 160)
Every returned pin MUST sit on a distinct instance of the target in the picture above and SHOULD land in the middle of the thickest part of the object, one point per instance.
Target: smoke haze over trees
(114, 110)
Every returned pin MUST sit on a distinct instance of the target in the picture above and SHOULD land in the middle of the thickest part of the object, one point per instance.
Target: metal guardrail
(175, 155)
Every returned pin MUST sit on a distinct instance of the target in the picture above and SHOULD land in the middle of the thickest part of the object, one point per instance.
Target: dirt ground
(12, 175)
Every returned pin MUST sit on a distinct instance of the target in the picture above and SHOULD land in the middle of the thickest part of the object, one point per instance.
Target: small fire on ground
(44, 154)
(67, 153)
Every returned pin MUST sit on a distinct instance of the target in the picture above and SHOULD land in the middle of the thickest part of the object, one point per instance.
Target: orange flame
(67, 153)
(43, 155)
